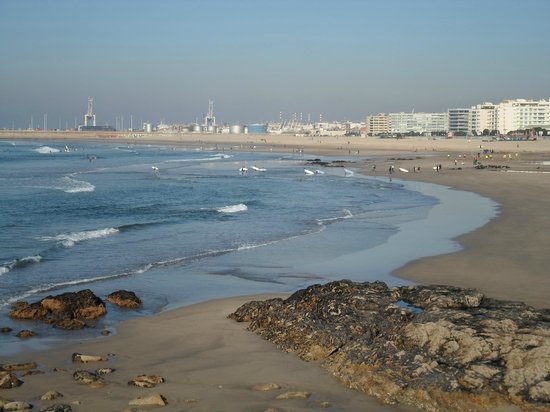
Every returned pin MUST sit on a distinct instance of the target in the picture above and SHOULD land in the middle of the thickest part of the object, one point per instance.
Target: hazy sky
(344, 59)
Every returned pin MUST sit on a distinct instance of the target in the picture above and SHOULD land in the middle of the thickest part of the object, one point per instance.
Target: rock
(124, 299)
(8, 380)
(104, 371)
(3, 401)
(79, 357)
(17, 406)
(105, 332)
(432, 347)
(146, 381)
(265, 387)
(5, 329)
(67, 311)
(58, 407)
(154, 399)
(26, 334)
(32, 372)
(88, 378)
(293, 395)
(18, 366)
(51, 395)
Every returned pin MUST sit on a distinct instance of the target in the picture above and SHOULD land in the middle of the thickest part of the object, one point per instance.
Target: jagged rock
(26, 334)
(5, 329)
(8, 380)
(58, 407)
(51, 395)
(79, 357)
(124, 299)
(433, 347)
(154, 399)
(18, 366)
(88, 378)
(17, 406)
(67, 311)
(146, 381)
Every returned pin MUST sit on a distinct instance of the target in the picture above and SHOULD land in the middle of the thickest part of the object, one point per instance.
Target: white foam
(70, 185)
(4, 270)
(70, 239)
(241, 207)
(46, 150)
(28, 260)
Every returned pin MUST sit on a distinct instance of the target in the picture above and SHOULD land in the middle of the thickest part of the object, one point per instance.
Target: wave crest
(70, 239)
(241, 207)
(19, 263)
(46, 150)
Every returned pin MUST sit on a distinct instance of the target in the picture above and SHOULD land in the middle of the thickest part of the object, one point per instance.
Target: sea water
(181, 226)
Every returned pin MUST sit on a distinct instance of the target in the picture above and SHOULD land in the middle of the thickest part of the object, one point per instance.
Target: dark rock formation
(67, 311)
(5, 329)
(8, 380)
(433, 347)
(124, 299)
(58, 407)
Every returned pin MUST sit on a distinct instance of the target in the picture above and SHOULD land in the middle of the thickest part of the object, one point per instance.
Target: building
(522, 114)
(459, 121)
(378, 124)
(418, 123)
(482, 119)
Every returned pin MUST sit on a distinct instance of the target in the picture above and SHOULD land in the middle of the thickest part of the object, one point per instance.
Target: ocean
(179, 226)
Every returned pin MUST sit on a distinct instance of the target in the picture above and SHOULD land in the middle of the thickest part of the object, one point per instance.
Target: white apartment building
(521, 114)
(482, 117)
(458, 121)
(378, 124)
(423, 123)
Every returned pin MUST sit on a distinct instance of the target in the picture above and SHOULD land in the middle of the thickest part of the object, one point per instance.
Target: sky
(259, 60)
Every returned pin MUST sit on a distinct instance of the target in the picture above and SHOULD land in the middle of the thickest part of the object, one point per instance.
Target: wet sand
(211, 363)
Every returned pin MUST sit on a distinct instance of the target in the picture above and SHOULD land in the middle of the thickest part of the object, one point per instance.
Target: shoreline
(208, 360)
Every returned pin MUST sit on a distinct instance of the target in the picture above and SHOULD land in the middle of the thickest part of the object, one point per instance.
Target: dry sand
(211, 363)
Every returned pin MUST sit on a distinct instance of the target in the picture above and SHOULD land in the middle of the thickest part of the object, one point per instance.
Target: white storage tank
(235, 129)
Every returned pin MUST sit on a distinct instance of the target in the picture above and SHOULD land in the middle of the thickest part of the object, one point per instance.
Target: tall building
(421, 123)
(521, 114)
(458, 121)
(378, 124)
(482, 118)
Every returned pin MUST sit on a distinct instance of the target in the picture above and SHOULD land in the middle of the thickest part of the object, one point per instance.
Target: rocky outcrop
(146, 381)
(433, 347)
(69, 310)
(124, 299)
(9, 380)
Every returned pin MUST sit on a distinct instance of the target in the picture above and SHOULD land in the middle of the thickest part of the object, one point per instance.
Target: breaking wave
(241, 207)
(19, 263)
(46, 150)
(71, 239)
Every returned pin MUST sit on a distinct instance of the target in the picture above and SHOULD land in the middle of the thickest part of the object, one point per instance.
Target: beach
(212, 363)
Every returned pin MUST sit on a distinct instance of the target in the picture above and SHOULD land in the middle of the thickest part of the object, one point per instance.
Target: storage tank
(235, 129)
(196, 128)
(256, 128)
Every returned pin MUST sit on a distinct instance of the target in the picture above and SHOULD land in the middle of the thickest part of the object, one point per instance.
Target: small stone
(78, 357)
(17, 406)
(146, 381)
(9, 380)
(154, 399)
(3, 401)
(51, 395)
(105, 332)
(5, 329)
(58, 407)
(33, 372)
(56, 369)
(293, 395)
(265, 387)
(26, 334)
